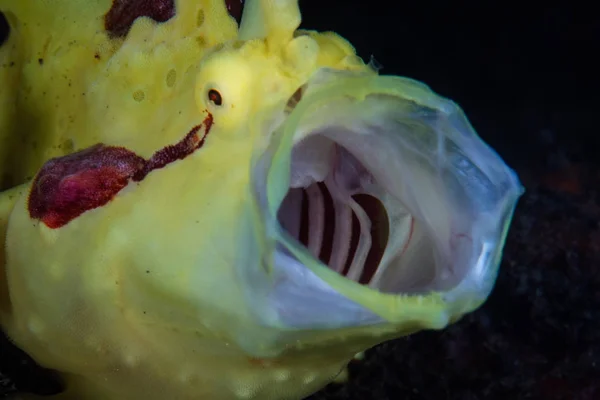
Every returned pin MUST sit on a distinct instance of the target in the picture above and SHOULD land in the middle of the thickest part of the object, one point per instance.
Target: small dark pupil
(215, 97)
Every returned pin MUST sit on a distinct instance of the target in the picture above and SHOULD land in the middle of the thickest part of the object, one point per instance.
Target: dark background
(527, 80)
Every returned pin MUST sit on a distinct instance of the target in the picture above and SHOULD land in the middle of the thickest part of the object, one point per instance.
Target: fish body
(151, 218)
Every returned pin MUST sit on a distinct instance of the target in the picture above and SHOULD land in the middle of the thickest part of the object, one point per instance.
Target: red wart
(68, 186)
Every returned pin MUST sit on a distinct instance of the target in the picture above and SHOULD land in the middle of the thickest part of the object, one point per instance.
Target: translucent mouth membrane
(387, 185)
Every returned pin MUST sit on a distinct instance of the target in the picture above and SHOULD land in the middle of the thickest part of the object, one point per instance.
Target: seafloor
(525, 81)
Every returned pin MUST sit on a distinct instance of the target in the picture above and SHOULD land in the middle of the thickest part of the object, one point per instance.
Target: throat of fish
(343, 215)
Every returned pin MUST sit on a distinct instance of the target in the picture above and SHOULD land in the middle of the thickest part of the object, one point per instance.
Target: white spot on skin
(57, 271)
(131, 360)
(185, 375)
(245, 392)
(310, 378)
(36, 325)
(282, 375)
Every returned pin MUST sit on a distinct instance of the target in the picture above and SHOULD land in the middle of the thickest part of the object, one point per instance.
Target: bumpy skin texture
(128, 268)
(69, 84)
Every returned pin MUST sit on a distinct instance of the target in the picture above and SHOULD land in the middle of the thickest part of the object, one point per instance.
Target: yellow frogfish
(194, 208)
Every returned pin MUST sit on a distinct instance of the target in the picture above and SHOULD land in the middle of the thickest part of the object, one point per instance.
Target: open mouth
(392, 190)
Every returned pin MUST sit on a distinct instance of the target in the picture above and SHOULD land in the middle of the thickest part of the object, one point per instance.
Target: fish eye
(215, 97)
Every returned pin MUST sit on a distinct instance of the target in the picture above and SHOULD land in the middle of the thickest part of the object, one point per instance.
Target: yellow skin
(158, 293)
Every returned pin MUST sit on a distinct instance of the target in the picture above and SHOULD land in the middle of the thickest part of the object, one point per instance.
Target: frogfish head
(312, 208)
(372, 209)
